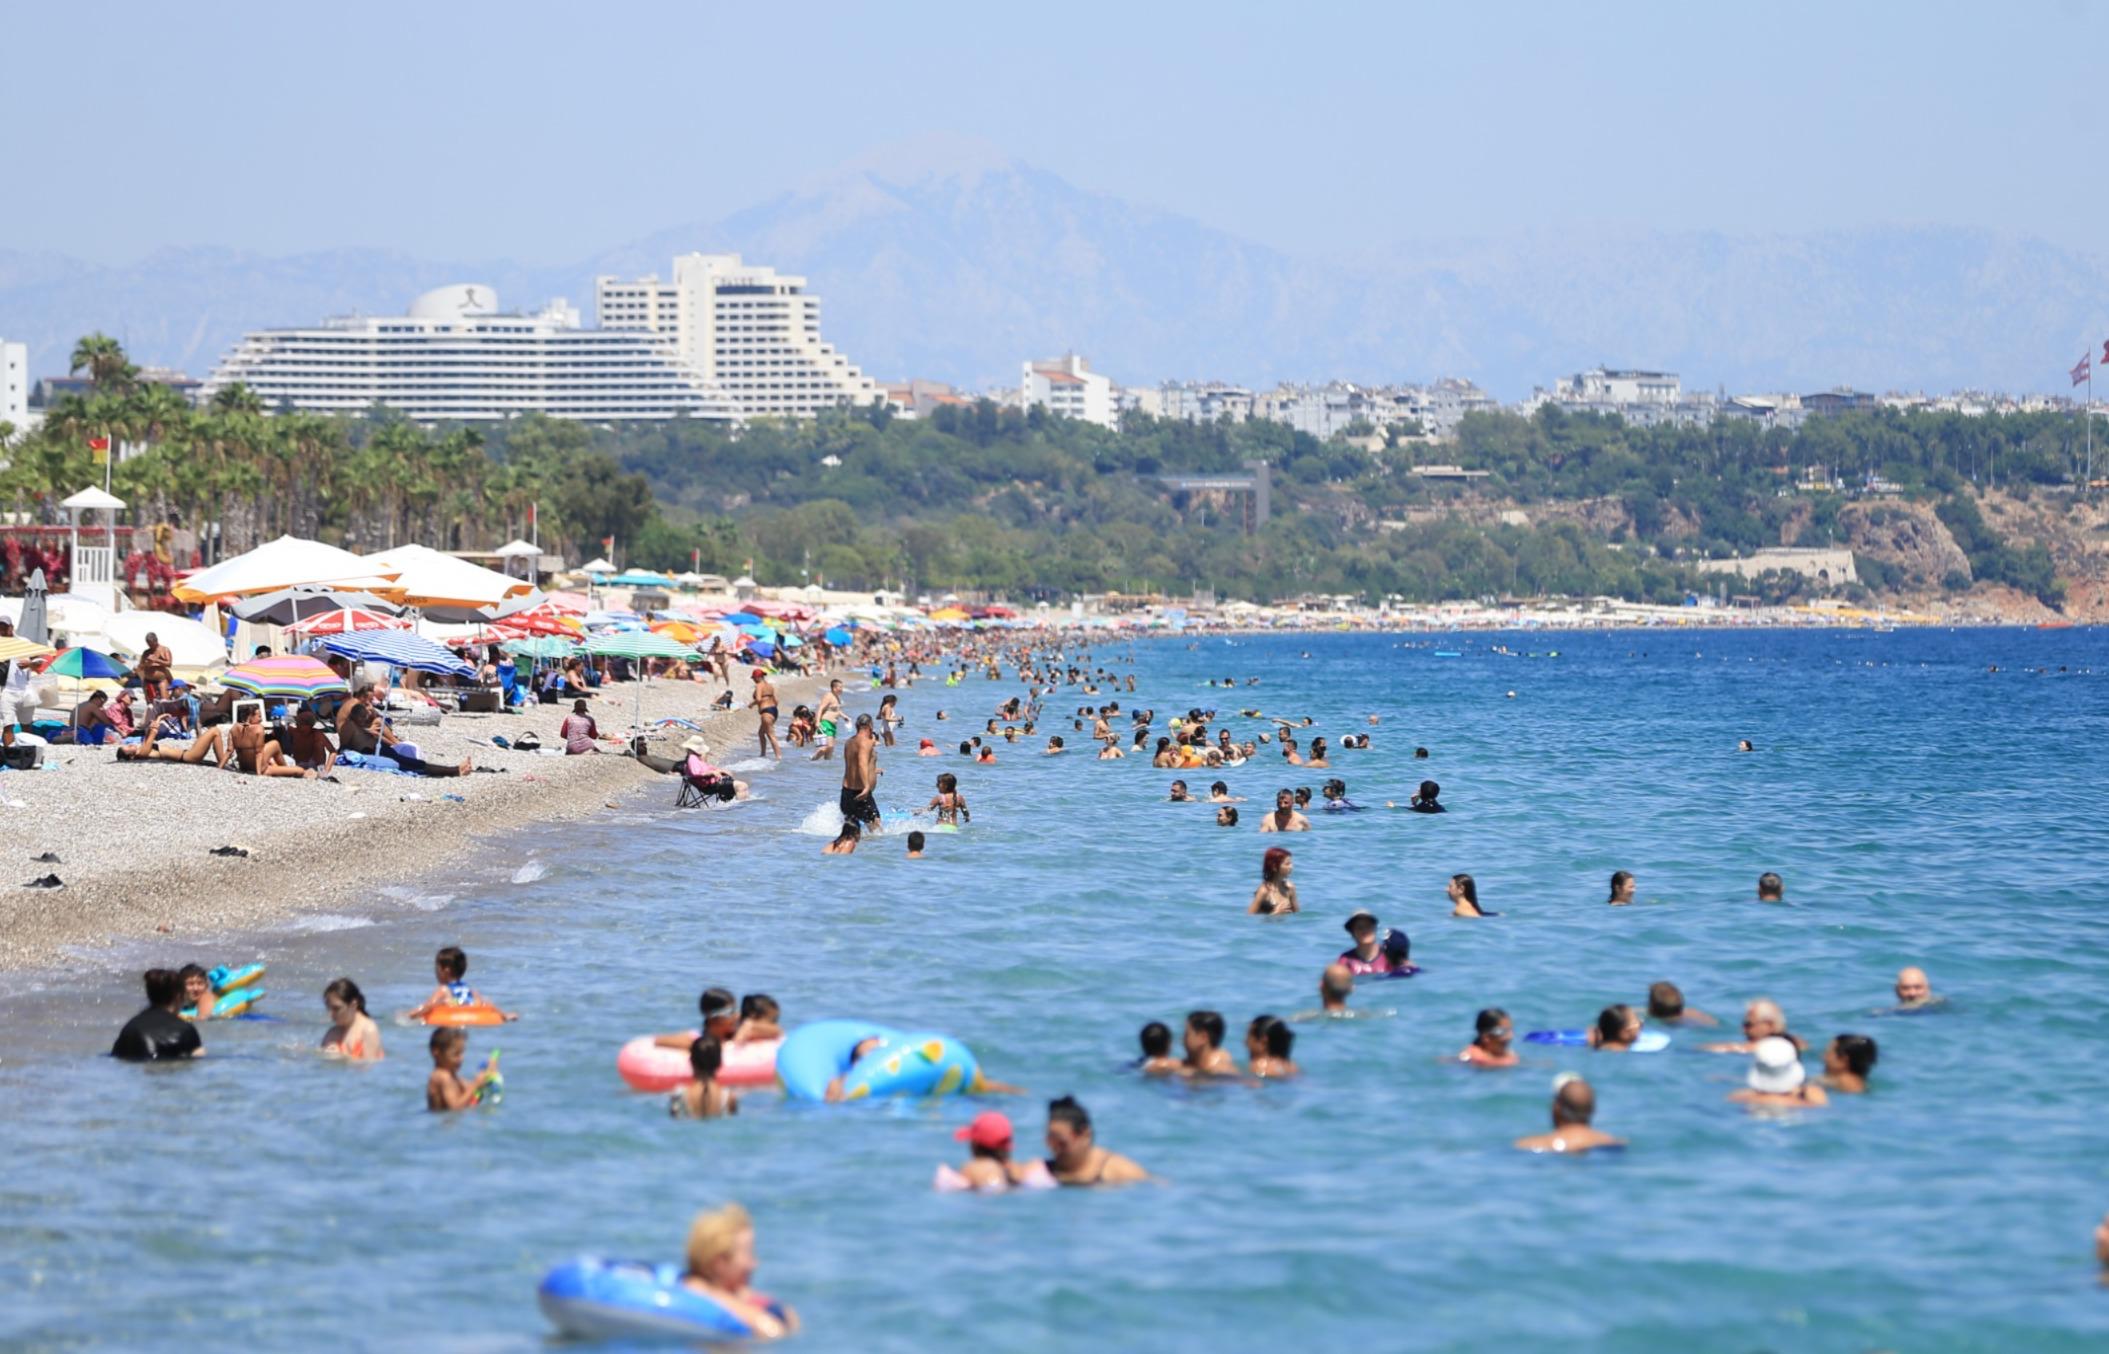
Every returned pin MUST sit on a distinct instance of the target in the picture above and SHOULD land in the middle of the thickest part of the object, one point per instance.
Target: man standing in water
(826, 720)
(860, 777)
(764, 704)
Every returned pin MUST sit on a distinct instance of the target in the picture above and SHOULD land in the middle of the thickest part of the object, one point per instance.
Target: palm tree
(237, 399)
(103, 358)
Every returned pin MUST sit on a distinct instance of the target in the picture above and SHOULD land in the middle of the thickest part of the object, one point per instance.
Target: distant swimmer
(1847, 1061)
(1334, 792)
(1227, 815)
(1771, 888)
(1284, 817)
(989, 1167)
(1615, 1030)
(1426, 800)
(1276, 894)
(158, 1033)
(1111, 753)
(1075, 1158)
(1219, 793)
(352, 1033)
(1157, 1059)
(1492, 1040)
(916, 842)
(1464, 898)
(1777, 1080)
(1204, 1046)
(1318, 759)
(928, 748)
(1268, 1040)
(1744, 746)
(1179, 793)
(1623, 886)
(1573, 1106)
(1762, 1019)
(1666, 1007)
(1420, 754)
(1915, 990)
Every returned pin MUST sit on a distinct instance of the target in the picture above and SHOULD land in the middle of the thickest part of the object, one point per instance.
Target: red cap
(989, 1130)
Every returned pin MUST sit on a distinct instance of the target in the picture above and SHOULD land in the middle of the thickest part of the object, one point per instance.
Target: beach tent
(428, 577)
(194, 648)
(284, 563)
(398, 649)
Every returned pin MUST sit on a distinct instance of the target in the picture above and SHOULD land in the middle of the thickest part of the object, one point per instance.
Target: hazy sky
(546, 131)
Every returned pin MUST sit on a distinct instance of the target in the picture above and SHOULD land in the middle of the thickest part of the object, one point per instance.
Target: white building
(1602, 385)
(456, 356)
(749, 330)
(1066, 385)
(14, 385)
(1204, 401)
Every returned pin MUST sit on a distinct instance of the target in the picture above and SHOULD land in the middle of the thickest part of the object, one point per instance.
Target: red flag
(607, 543)
(531, 509)
(2080, 373)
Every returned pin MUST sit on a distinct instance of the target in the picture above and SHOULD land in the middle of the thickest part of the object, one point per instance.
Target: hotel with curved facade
(455, 356)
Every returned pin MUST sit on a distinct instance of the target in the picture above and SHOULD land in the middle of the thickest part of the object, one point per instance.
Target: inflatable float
(595, 1299)
(904, 1063)
(647, 1067)
(1647, 1041)
(475, 1013)
(234, 991)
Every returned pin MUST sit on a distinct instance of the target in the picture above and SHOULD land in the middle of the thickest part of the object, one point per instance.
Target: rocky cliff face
(1906, 538)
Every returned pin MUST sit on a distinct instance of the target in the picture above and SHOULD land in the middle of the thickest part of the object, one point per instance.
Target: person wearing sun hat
(1777, 1078)
(989, 1168)
(697, 770)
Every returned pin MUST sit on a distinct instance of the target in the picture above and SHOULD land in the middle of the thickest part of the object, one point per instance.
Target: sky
(544, 132)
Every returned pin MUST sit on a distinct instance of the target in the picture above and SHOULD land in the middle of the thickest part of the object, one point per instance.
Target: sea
(1930, 797)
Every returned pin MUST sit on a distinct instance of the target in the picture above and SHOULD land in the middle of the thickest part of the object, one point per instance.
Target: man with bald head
(1573, 1106)
(1762, 1019)
(1915, 990)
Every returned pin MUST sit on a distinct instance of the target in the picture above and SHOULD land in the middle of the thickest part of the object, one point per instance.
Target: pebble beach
(134, 842)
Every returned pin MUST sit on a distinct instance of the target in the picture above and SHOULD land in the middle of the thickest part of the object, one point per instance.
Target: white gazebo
(94, 572)
(515, 550)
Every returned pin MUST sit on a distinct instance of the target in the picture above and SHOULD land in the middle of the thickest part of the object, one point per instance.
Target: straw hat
(696, 745)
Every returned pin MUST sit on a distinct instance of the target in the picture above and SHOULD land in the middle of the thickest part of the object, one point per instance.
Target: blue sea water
(1923, 809)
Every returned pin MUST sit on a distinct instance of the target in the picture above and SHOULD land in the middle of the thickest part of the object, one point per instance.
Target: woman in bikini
(1276, 895)
(352, 1034)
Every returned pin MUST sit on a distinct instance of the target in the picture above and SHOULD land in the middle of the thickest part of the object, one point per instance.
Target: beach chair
(696, 792)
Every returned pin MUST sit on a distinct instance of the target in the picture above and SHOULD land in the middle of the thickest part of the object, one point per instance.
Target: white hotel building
(456, 357)
(749, 330)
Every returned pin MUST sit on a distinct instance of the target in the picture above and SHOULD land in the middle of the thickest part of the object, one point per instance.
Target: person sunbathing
(311, 748)
(259, 754)
(382, 745)
(153, 751)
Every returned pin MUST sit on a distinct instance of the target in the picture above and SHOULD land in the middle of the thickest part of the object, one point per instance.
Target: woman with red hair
(1276, 895)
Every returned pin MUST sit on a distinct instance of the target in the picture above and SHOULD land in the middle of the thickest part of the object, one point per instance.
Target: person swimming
(1276, 894)
(1493, 1037)
(1204, 1046)
(1915, 991)
(1573, 1109)
(1847, 1061)
(1463, 893)
(1776, 1079)
(1615, 1030)
(1623, 887)
(1157, 1059)
(1268, 1040)
(1666, 1006)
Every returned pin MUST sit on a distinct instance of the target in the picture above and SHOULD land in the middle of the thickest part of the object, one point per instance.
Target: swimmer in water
(1771, 888)
(845, 843)
(197, 991)
(450, 967)
(989, 1167)
(1157, 1059)
(1762, 1019)
(1915, 990)
(1111, 753)
(1179, 794)
(761, 1019)
(1464, 897)
(1284, 817)
(445, 1090)
(1744, 746)
(1054, 746)
(1204, 1046)
(721, 1020)
(703, 1097)
(352, 1034)
(1615, 1030)
(1268, 1040)
(1573, 1106)
(1666, 1007)
(1219, 793)
(1227, 815)
(1492, 1039)
(1335, 985)
(1847, 1061)
(1622, 888)
(1074, 1156)
(950, 804)
(721, 1267)
(1777, 1079)
(1276, 894)
(928, 748)
(916, 842)
(1366, 955)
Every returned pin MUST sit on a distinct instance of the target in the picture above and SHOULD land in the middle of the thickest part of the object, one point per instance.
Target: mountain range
(955, 272)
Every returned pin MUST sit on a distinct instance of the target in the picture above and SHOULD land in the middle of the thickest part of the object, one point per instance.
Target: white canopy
(65, 613)
(92, 497)
(518, 550)
(193, 646)
(284, 563)
(596, 566)
(428, 577)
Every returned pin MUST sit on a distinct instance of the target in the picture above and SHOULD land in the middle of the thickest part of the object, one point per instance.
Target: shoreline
(134, 841)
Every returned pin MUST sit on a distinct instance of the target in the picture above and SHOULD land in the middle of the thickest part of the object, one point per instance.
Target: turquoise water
(1922, 809)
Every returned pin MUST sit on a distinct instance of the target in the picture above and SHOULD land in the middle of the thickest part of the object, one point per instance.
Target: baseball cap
(1361, 914)
(989, 1129)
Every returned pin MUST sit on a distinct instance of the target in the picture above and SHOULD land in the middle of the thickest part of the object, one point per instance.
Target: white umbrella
(518, 550)
(596, 566)
(284, 563)
(428, 577)
(192, 645)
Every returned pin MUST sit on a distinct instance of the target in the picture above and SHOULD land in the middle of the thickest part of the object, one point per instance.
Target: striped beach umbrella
(541, 646)
(85, 664)
(638, 644)
(345, 620)
(285, 677)
(398, 649)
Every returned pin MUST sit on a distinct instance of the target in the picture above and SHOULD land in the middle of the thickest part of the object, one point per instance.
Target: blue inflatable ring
(595, 1299)
(905, 1062)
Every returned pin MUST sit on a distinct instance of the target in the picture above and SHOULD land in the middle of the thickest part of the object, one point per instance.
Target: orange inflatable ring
(481, 1013)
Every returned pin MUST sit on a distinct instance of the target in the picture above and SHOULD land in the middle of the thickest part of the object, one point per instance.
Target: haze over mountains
(958, 270)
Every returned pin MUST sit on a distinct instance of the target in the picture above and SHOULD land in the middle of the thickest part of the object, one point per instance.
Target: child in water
(703, 1098)
(950, 804)
(197, 991)
(352, 1035)
(761, 1019)
(445, 1091)
(450, 966)
(1157, 1059)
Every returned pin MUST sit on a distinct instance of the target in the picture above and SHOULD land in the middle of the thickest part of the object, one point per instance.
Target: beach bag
(21, 757)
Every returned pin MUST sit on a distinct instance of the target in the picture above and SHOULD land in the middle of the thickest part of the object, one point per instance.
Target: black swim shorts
(858, 806)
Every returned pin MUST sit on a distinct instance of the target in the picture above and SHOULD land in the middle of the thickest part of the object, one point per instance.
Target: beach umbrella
(641, 578)
(86, 664)
(742, 618)
(398, 649)
(15, 649)
(33, 626)
(284, 563)
(629, 618)
(286, 676)
(766, 648)
(345, 620)
(428, 577)
(837, 636)
(638, 644)
(596, 566)
(681, 632)
(548, 646)
(288, 605)
(194, 648)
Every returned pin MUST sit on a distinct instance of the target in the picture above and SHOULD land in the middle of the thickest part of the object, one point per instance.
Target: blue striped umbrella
(400, 649)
